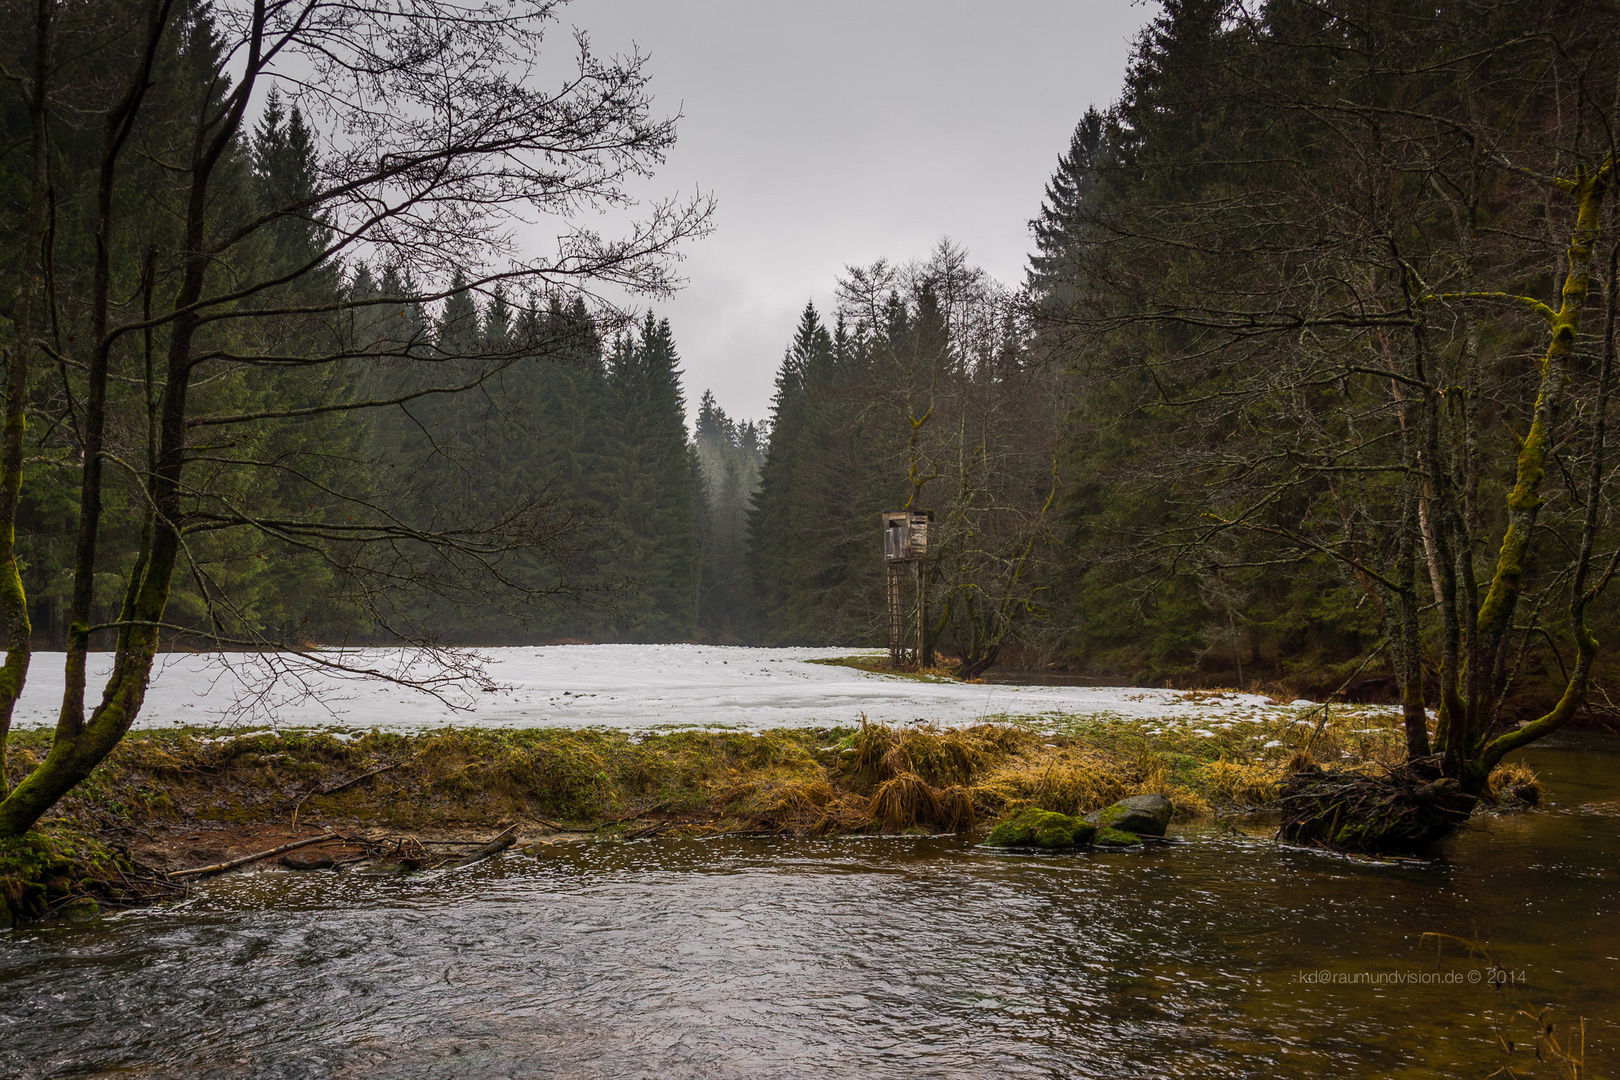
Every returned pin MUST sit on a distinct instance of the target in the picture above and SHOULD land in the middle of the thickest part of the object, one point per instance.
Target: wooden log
(220, 868)
(505, 840)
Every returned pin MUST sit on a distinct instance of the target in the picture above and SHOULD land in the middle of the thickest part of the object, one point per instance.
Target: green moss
(1034, 828)
(61, 872)
(1109, 816)
(1108, 837)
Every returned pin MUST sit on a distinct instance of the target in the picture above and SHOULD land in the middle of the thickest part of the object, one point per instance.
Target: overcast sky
(835, 132)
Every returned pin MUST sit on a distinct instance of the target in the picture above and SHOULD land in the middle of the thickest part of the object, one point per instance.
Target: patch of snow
(633, 687)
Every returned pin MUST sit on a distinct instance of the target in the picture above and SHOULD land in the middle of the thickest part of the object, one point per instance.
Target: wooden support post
(922, 614)
(897, 615)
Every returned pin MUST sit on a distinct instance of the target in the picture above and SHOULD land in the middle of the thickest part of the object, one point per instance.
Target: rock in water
(298, 862)
(1143, 815)
(1041, 829)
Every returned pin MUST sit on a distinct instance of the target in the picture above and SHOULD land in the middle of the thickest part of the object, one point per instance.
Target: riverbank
(180, 799)
(810, 781)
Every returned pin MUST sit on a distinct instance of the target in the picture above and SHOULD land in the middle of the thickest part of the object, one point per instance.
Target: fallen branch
(340, 787)
(220, 868)
(554, 827)
(657, 829)
(505, 840)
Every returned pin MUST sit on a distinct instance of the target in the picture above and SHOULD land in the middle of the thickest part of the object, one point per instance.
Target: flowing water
(1224, 956)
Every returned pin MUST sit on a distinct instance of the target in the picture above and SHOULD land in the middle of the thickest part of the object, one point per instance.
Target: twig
(220, 868)
(342, 786)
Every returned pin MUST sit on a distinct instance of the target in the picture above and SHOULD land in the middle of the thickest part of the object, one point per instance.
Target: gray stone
(1144, 815)
(298, 862)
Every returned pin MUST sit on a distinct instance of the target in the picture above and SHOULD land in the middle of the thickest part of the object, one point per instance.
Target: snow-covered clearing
(621, 686)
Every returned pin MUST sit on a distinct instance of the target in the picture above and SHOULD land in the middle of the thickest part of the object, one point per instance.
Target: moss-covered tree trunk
(30, 271)
(1463, 727)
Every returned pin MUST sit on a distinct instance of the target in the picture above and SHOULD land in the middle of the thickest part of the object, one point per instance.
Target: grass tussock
(1514, 784)
(1241, 783)
(904, 802)
(941, 757)
(1064, 780)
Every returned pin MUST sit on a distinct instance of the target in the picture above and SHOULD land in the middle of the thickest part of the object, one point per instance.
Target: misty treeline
(918, 392)
(553, 464)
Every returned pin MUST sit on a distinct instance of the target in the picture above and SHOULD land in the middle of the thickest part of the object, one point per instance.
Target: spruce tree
(771, 520)
(652, 488)
(1053, 275)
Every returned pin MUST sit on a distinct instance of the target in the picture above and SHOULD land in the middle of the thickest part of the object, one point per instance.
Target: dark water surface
(857, 958)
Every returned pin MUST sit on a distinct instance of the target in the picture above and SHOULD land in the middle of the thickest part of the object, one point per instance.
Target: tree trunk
(13, 597)
(1466, 760)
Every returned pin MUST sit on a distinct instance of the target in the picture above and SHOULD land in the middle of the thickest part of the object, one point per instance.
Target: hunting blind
(905, 549)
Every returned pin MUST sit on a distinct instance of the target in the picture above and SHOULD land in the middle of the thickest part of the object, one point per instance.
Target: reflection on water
(872, 958)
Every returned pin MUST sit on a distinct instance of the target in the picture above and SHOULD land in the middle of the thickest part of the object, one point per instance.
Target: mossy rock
(1116, 838)
(62, 872)
(1141, 815)
(1041, 829)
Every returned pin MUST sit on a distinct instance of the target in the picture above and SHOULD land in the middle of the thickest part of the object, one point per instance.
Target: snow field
(637, 687)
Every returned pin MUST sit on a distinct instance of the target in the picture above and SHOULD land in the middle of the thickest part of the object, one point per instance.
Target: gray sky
(836, 132)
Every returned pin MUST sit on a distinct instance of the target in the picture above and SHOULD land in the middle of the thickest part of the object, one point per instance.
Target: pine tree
(771, 520)
(652, 488)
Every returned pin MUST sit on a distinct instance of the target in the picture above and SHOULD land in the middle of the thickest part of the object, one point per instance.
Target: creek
(1227, 955)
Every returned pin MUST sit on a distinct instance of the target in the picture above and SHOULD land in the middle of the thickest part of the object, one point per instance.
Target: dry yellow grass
(1515, 783)
(940, 757)
(1186, 804)
(875, 778)
(804, 804)
(956, 810)
(1348, 736)
(1242, 783)
(904, 802)
(1065, 780)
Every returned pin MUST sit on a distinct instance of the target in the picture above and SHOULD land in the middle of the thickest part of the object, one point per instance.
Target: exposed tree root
(1401, 812)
